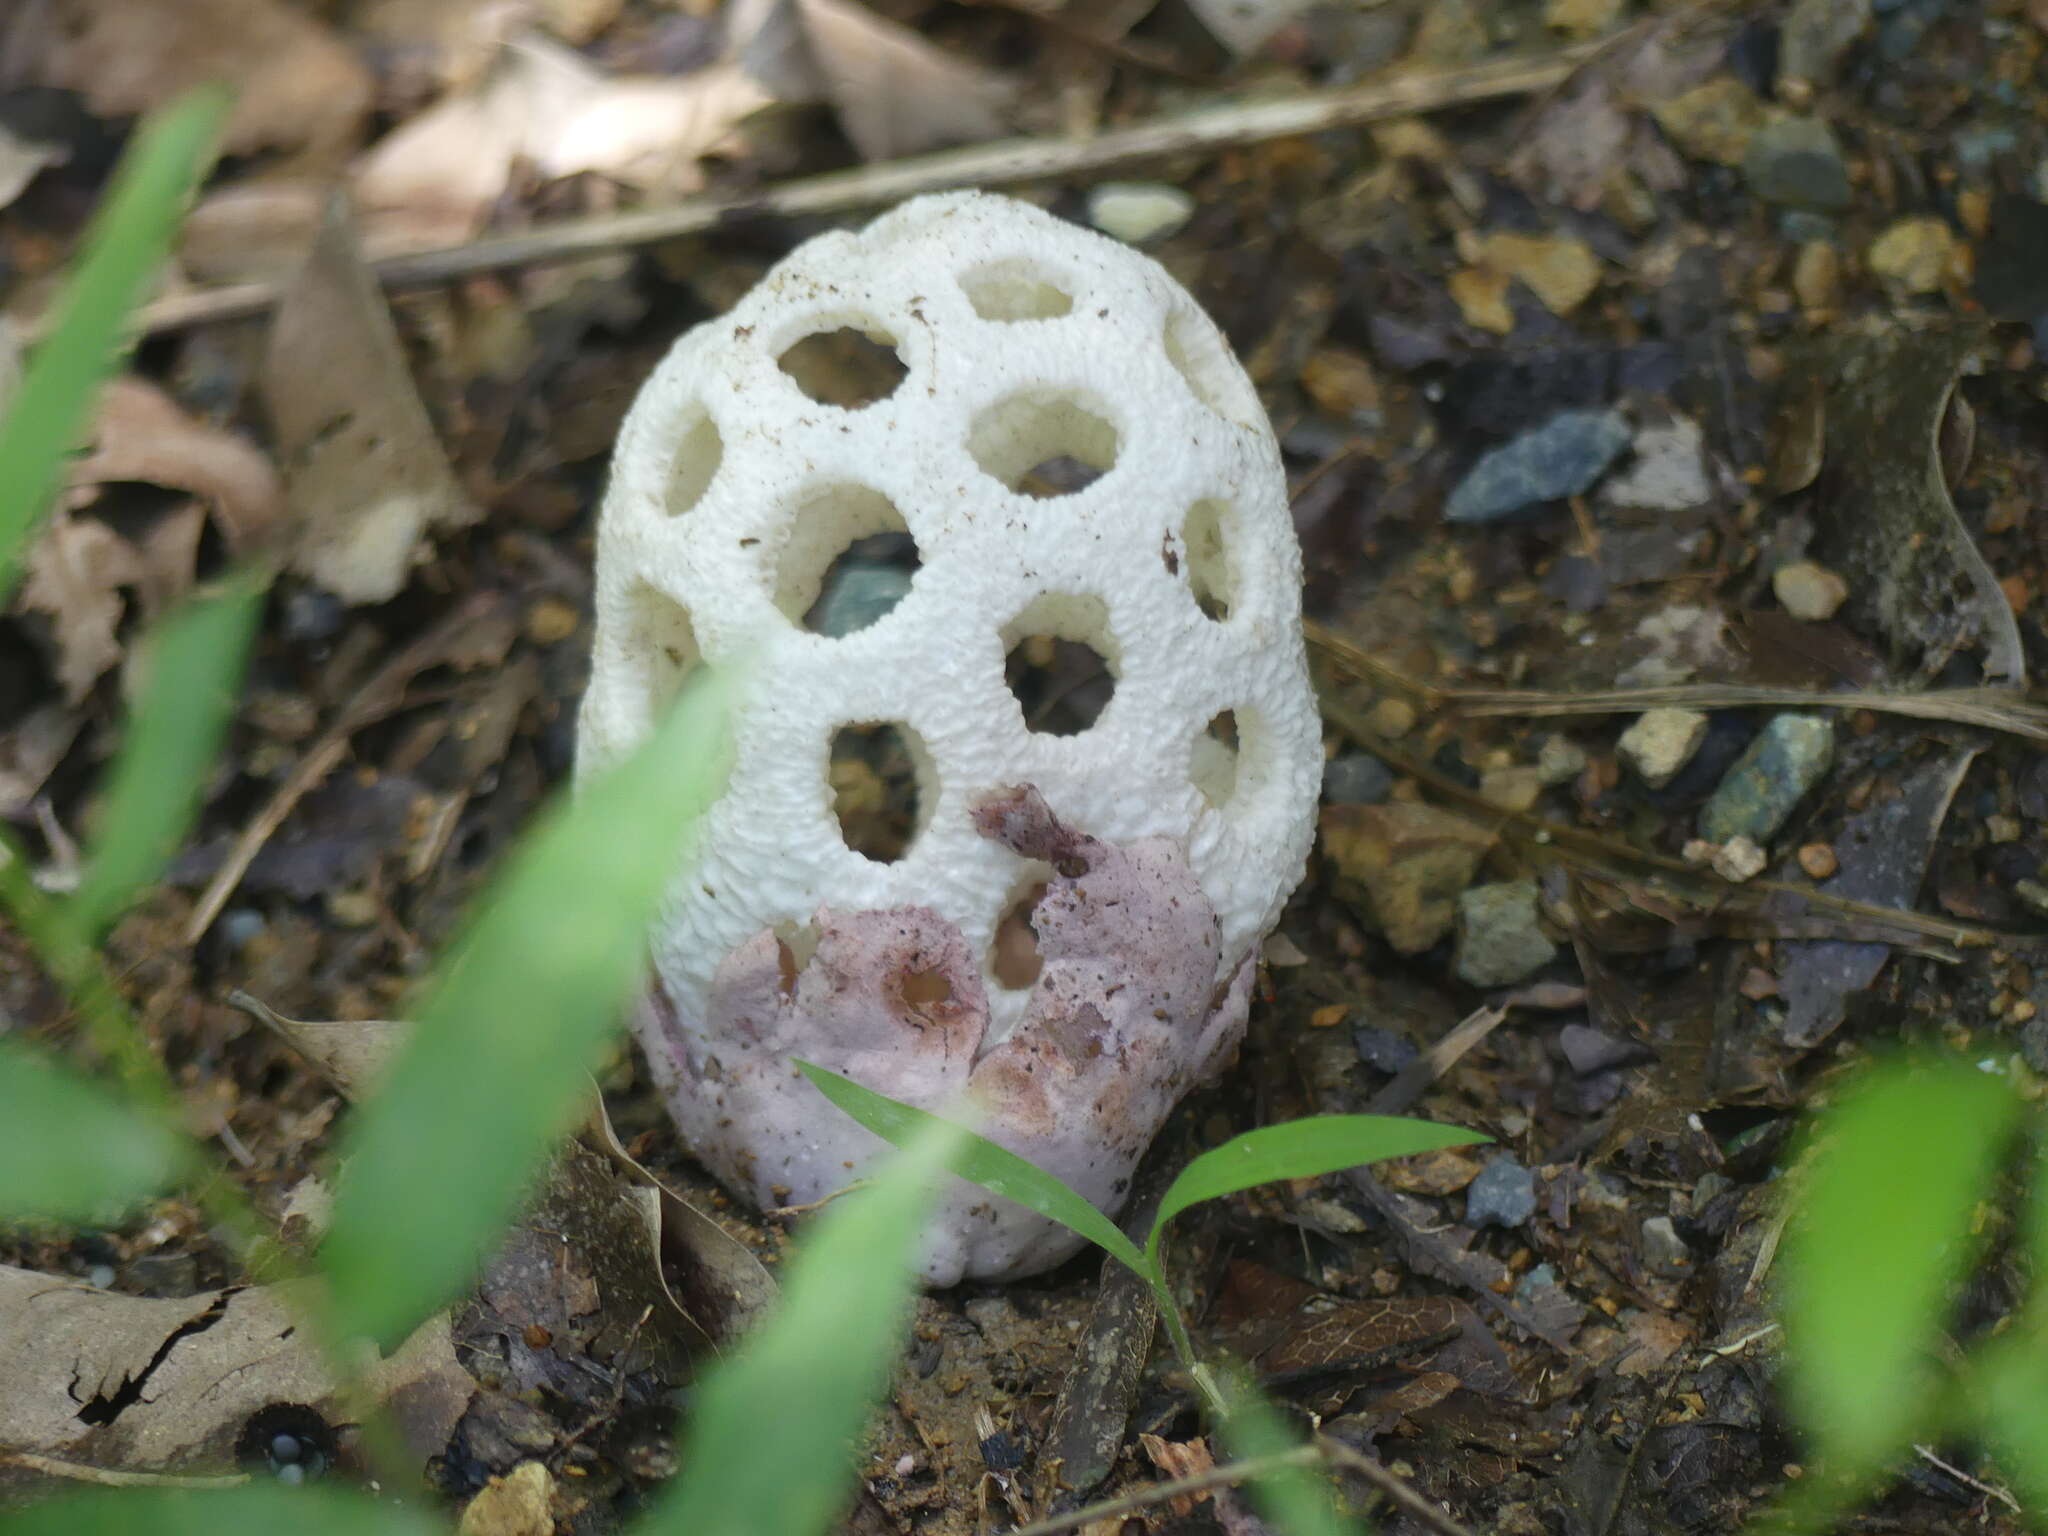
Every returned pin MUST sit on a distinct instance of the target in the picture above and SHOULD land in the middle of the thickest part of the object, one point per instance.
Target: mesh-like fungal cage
(1085, 472)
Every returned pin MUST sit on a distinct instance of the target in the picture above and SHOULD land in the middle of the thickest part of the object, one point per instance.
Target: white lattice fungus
(1077, 457)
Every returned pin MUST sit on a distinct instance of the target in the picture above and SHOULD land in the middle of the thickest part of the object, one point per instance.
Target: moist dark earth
(1705, 374)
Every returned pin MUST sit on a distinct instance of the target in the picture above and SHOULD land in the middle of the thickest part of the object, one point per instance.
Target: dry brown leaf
(252, 229)
(894, 93)
(76, 570)
(1243, 26)
(129, 1383)
(297, 86)
(366, 476)
(21, 159)
(30, 750)
(435, 180)
(140, 433)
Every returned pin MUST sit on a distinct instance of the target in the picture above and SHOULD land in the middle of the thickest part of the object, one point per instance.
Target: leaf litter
(1647, 242)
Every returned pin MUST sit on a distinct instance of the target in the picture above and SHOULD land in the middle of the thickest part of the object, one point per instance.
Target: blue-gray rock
(856, 594)
(1504, 1195)
(1563, 457)
(1539, 1283)
(1500, 936)
(1797, 163)
(1789, 756)
(1357, 778)
(1382, 1049)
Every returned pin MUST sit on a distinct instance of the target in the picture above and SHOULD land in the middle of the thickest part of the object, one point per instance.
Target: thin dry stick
(1004, 163)
(1398, 1492)
(1159, 1493)
(1997, 709)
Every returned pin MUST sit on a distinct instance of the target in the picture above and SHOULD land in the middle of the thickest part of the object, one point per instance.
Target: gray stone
(1357, 778)
(1669, 473)
(1500, 937)
(1382, 1049)
(1504, 1195)
(1796, 162)
(1815, 36)
(857, 594)
(1559, 760)
(1539, 1283)
(1789, 756)
(1138, 212)
(1661, 743)
(1563, 457)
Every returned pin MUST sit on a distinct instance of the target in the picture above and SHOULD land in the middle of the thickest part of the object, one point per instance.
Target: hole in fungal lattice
(699, 452)
(848, 560)
(1013, 956)
(1210, 576)
(1024, 439)
(848, 367)
(659, 631)
(1015, 290)
(1199, 356)
(1060, 662)
(877, 776)
(1214, 763)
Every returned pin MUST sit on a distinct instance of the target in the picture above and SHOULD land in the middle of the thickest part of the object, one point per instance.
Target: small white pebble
(1809, 591)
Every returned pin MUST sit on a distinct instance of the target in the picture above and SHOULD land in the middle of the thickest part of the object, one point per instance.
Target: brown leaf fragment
(140, 433)
(21, 160)
(134, 1384)
(76, 570)
(351, 1053)
(894, 93)
(30, 750)
(365, 473)
(1178, 1459)
(297, 86)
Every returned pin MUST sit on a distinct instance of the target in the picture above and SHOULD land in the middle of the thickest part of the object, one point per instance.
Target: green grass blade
(436, 1163)
(1300, 1149)
(195, 666)
(770, 1447)
(1883, 1231)
(129, 238)
(72, 1149)
(982, 1162)
(1293, 1499)
(258, 1510)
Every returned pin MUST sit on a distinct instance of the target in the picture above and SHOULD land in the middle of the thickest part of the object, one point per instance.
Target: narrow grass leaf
(1294, 1499)
(188, 696)
(435, 1164)
(72, 1149)
(771, 1444)
(2012, 1381)
(128, 240)
(1883, 1231)
(258, 1510)
(982, 1162)
(1300, 1149)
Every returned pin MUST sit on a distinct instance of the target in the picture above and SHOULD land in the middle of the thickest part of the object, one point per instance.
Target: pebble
(551, 621)
(1511, 789)
(1737, 860)
(1816, 276)
(1559, 760)
(858, 593)
(1714, 121)
(1139, 212)
(1500, 935)
(1539, 1283)
(1818, 860)
(1809, 591)
(1662, 742)
(1790, 755)
(1357, 778)
(1669, 473)
(1562, 457)
(1915, 255)
(1814, 37)
(1796, 162)
(1382, 1049)
(1409, 861)
(1504, 1195)
(1393, 717)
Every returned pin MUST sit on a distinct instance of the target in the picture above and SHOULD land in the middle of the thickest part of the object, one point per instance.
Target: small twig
(108, 1477)
(1397, 1490)
(1159, 1493)
(1926, 1453)
(1998, 709)
(1007, 162)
